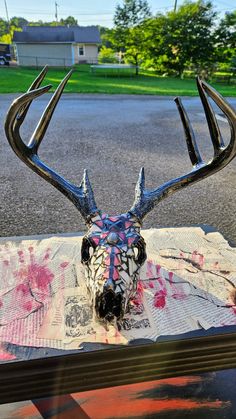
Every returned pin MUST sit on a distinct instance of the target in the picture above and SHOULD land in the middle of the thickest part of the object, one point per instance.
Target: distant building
(57, 45)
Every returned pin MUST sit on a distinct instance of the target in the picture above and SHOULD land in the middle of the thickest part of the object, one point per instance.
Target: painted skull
(113, 252)
(113, 249)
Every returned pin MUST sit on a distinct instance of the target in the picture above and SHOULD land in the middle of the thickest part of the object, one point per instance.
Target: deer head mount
(113, 249)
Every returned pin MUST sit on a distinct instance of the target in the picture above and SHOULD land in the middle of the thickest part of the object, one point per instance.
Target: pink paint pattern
(33, 280)
(159, 283)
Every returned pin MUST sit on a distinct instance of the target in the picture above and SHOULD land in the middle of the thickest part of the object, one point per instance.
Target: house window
(81, 50)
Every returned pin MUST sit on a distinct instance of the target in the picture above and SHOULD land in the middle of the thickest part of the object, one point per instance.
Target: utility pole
(56, 14)
(175, 6)
(5, 2)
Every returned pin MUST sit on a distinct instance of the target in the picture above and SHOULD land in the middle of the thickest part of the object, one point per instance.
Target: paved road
(113, 136)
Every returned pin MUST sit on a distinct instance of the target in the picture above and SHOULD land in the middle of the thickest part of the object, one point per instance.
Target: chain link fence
(38, 62)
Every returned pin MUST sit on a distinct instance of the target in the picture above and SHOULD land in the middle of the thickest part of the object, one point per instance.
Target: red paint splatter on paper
(234, 309)
(149, 272)
(63, 265)
(27, 306)
(171, 274)
(177, 289)
(38, 276)
(23, 288)
(201, 260)
(198, 258)
(33, 280)
(21, 256)
(158, 269)
(160, 299)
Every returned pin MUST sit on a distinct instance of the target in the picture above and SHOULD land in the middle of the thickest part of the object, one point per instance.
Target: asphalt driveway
(113, 136)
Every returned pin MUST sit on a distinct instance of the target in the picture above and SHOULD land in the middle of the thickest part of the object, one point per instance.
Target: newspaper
(187, 283)
(71, 319)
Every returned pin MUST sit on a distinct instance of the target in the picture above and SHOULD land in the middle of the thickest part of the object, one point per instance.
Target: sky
(88, 12)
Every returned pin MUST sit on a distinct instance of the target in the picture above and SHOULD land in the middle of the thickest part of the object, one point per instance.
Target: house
(57, 45)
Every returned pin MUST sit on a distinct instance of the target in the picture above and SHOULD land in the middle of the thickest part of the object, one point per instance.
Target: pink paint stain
(177, 290)
(138, 299)
(158, 269)
(171, 274)
(1, 303)
(201, 260)
(151, 284)
(149, 269)
(23, 289)
(47, 254)
(64, 265)
(27, 306)
(21, 256)
(33, 276)
(40, 277)
(198, 258)
(161, 282)
(160, 299)
(6, 262)
(6, 356)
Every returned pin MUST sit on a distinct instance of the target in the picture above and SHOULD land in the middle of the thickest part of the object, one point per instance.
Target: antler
(145, 200)
(81, 196)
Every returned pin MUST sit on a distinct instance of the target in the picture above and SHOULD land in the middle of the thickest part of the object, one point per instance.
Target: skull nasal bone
(112, 238)
(109, 285)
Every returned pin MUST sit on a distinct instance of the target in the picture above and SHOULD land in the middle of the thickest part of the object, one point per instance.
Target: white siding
(42, 54)
(90, 53)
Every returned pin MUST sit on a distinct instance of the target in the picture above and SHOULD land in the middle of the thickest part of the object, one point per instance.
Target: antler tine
(14, 120)
(228, 111)
(145, 200)
(81, 196)
(214, 130)
(35, 85)
(193, 150)
(45, 119)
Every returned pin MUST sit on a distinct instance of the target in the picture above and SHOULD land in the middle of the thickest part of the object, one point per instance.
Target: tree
(106, 36)
(69, 21)
(225, 35)
(3, 27)
(131, 13)
(107, 55)
(18, 22)
(128, 33)
(183, 39)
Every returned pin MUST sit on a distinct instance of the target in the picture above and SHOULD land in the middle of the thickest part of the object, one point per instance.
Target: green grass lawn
(14, 80)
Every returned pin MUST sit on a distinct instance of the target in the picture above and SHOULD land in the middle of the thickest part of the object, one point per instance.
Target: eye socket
(87, 249)
(140, 251)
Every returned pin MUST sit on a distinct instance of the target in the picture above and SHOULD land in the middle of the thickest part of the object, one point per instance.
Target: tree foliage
(225, 35)
(107, 55)
(129, 30)
(131, 13)
(183, 38)
(69, 21)
(191, 37)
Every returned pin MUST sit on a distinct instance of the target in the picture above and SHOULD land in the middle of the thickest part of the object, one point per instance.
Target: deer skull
(112, 267)
(113, 250)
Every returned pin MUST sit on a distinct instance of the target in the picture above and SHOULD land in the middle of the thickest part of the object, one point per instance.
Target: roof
(45, 34)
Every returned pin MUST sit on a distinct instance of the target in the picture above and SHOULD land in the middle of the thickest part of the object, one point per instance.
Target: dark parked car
(5, 54)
